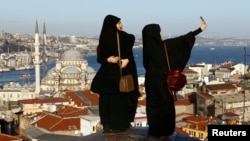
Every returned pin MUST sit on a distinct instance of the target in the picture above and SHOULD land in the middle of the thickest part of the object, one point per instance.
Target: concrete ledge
(135, 134)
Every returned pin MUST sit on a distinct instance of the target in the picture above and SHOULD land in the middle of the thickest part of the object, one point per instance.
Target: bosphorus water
(209, 55)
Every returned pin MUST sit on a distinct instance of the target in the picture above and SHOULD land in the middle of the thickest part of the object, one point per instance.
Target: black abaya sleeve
(100, 58)
(179, 49)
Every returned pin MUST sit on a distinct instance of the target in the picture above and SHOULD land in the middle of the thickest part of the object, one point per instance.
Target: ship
(20, 68)
(25, 77)
(5, 69)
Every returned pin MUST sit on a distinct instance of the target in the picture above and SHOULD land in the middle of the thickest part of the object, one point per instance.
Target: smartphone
(202, 19)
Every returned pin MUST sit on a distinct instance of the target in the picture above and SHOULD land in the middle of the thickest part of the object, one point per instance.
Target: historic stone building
(70, 73)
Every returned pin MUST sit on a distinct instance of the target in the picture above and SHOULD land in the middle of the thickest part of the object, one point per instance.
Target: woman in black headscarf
(160, 103)
(116, 109)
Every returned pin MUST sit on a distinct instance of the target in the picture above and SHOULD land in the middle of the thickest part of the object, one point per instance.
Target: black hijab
(108, 38)
(153, 49)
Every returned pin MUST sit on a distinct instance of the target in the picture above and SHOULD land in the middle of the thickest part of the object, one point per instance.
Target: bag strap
(166, 53)
(119, 51)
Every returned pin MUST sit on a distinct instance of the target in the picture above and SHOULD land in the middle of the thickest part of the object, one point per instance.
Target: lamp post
(244, 86)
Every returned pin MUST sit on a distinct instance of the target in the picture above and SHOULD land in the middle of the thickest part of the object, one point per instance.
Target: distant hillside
(10, 47)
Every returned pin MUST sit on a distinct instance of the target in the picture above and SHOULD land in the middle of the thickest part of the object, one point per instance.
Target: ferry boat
(4, 69)
(20, 68)
(29, 67)
(25, 77)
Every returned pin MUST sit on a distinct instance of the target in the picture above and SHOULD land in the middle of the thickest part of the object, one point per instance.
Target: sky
(225, 18)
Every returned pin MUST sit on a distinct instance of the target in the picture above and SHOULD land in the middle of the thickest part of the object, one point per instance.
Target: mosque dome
(71, 70)
(72, 55)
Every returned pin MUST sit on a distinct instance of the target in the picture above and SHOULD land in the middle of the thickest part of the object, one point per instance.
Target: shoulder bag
(126, 83)
(175, 79)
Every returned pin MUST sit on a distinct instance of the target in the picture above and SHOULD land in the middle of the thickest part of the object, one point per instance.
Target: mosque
(70, 73)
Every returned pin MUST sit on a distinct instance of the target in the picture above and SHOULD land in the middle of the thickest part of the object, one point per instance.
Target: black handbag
(175, 79)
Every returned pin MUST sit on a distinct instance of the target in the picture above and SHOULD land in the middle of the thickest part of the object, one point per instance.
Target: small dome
(71, 70)
(72, 55)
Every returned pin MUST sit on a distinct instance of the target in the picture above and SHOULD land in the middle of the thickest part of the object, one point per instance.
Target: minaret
(44, 38)
(37, 60)
(44, 58)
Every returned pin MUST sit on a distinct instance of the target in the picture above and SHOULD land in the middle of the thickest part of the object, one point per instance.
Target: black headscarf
(108, 35)
(108, 40)
(153, 49)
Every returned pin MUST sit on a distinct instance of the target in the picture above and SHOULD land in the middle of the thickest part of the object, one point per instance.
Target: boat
(20, 68)
(28, 67)
(212, 48)
(25, 77)
(5, 69)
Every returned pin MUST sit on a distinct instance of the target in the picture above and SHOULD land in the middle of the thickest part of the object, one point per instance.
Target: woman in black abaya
(116, 109)
(159, 100)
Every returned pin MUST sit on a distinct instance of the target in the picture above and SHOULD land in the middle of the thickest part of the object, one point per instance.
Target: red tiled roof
(205, 95)
(195, 119)
(189, 71)
(183, 102)
(5, 137)
(91, 97)
(216, 87)
(94, 98)
(47, 121)
(69, 111)
(230, 114)
(55, 123)
(67, 124)
(199, 126)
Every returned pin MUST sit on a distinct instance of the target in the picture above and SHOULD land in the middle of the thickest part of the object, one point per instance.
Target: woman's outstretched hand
(203, 25)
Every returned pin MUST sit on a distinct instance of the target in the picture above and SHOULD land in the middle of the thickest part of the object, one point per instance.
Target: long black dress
(159, 101)
(116, 109)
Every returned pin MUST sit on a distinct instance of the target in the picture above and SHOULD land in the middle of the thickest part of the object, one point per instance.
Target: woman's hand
(124, 63)
(203, 25)
(113, 59)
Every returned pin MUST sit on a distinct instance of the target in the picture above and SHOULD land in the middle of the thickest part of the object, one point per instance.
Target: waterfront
(199, 54)
(217, 55)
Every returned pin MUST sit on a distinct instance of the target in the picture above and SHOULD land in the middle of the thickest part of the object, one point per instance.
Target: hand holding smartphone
(204, 24)
(202, 19)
